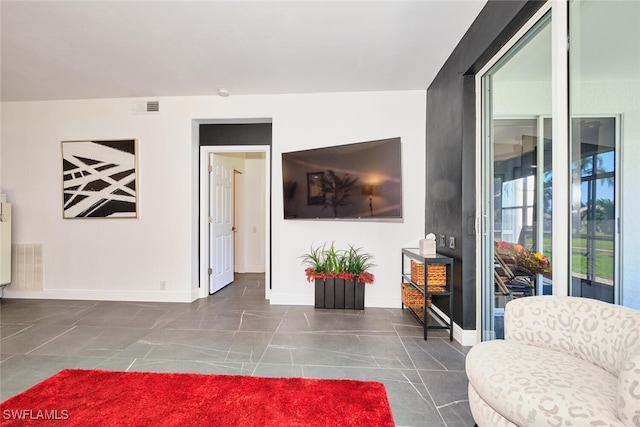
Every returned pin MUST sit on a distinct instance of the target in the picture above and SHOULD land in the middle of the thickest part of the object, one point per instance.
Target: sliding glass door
(517, 171)
(552, 171)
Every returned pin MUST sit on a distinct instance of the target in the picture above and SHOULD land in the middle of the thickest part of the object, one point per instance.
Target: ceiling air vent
(141, 107)
(153, 106)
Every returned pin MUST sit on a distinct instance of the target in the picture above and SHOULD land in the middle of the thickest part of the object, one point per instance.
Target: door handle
(234, 229)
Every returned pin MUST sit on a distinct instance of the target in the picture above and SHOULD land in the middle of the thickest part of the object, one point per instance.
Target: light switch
(452, 242)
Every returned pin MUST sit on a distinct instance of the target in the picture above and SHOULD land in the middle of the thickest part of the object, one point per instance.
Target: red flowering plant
(323, 262)
(522, 259)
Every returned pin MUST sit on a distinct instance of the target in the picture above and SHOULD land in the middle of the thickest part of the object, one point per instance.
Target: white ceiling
(104, 49)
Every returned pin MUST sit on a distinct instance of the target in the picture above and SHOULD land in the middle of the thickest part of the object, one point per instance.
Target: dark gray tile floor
(236, 331)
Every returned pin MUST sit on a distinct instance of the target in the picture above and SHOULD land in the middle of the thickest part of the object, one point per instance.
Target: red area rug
(75, 397)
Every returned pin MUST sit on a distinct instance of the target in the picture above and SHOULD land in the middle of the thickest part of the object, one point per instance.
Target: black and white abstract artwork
(99, 179)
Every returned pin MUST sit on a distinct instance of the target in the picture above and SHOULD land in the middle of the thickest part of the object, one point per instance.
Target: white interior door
(220, 222)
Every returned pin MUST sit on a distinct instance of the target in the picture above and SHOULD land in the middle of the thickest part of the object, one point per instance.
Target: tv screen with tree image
(352, 181)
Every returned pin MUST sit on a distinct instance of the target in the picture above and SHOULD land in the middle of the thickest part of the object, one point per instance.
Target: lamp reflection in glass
(370, 190)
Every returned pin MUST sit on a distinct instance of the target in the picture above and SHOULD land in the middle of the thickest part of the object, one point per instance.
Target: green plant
(327, 261)
(322, 259)
(356, 261)
(314, 259)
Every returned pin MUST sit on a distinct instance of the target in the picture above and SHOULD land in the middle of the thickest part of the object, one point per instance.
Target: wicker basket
(412, 297)
(436, 276)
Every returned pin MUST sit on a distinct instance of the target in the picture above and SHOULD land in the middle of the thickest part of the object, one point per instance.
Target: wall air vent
(143, 107)
(26, 267)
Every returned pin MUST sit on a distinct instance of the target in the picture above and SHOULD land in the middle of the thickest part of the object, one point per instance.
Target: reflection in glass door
(517, 172)
(594, 210)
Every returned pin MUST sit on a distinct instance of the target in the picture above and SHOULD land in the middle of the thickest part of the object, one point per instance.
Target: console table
(422, 311)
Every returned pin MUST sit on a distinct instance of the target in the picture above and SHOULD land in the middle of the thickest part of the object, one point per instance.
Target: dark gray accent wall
(451, 144)
(235, 134)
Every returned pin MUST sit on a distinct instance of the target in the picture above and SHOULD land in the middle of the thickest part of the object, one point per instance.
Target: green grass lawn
(600, 244)
(604, 257)
(604, 263)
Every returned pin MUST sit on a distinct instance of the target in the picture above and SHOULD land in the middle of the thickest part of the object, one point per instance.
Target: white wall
(250, 234)
(126, 259)
(255, 233)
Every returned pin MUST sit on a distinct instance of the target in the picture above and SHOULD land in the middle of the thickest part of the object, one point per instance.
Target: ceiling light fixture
(223, 92)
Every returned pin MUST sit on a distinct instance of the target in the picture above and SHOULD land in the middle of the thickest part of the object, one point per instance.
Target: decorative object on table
(100, 179)
(519, 258)
(339, 275)
(428, 245)
(78, 397)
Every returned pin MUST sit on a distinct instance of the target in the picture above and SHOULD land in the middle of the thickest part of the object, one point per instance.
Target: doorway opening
(235, 215)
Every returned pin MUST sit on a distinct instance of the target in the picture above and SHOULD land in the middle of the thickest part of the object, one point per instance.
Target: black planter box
(339, 293)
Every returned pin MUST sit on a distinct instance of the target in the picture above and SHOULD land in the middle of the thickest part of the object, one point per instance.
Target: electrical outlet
(441, 240)
(163, 285)
(452, 242)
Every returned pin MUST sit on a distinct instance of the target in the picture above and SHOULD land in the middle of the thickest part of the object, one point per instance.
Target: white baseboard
(464, 337)
(248, 269)
(382, 302)
(288, 299)
(254, 269)
(91, 295)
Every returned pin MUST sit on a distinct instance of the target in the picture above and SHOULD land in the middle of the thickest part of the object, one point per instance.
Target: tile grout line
(26, 328)
(52, 339)
(422, 380)
(273, 334)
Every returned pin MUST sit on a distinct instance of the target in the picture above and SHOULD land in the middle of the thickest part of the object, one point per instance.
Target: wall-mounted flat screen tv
(353, 181)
